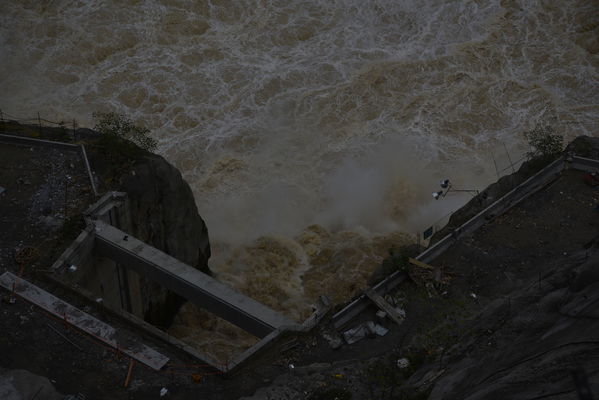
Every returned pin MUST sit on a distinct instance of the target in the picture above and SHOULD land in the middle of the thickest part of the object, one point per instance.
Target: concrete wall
(98, 275)
(102, 277)
(521, 192)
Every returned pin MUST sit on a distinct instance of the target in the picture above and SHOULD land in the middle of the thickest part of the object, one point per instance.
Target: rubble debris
(390, 299)
(381, 315)
(368, 329)
(401, 312)
(384, 305)
(376, 328)
(356, 334)
(333, 339)
(163, 392)
(403, 363)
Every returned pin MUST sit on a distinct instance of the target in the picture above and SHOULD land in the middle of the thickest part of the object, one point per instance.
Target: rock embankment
(163, 214)
(583, 146)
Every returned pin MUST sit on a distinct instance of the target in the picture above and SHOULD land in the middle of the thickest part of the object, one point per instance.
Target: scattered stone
(163, 392)
(376, 328)
(334, 340)
(369, 329)
(356, 334)
(401, 312)
(403, 363)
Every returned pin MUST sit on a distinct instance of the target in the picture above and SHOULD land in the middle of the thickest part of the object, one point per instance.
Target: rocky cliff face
(163, 214)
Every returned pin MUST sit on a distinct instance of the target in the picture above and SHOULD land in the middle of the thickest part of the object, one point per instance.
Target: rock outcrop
(163, 214)
(545, 347)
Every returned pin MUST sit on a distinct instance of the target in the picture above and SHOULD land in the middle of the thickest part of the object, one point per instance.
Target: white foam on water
(282, 115)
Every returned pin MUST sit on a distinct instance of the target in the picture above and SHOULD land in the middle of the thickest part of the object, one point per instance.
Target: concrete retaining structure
(515, 196)
(99, 262)
(121, 259)
(187, 281)
(82, 320)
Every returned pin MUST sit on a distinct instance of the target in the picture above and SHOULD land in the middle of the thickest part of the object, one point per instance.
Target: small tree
(115, 127)
(544, 143)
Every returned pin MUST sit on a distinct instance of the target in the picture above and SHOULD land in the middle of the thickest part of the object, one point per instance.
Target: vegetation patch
(545, 144)
(120, 136)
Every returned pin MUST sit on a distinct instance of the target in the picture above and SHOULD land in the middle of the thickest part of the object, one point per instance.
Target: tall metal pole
(495, 163)
(39, 122)
(508, 157)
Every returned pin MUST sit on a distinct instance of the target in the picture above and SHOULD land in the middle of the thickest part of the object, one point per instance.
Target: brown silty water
(311, 132)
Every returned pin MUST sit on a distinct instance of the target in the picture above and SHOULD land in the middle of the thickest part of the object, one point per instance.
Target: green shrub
(117, 128)
(545, 144)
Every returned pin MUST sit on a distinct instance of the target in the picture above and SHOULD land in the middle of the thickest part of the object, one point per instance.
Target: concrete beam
(585, 164)
(78, 251)
(83, 321)
(188, 282)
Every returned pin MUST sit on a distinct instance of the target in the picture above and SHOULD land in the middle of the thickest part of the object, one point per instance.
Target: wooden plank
(83, 321)
(420, 264)
(383, 305)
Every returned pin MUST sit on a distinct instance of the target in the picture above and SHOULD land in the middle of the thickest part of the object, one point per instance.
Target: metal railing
(40, 122)
(10, 135)
(424, 235)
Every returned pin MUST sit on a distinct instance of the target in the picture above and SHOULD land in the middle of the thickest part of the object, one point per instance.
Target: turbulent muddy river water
(313, 131)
